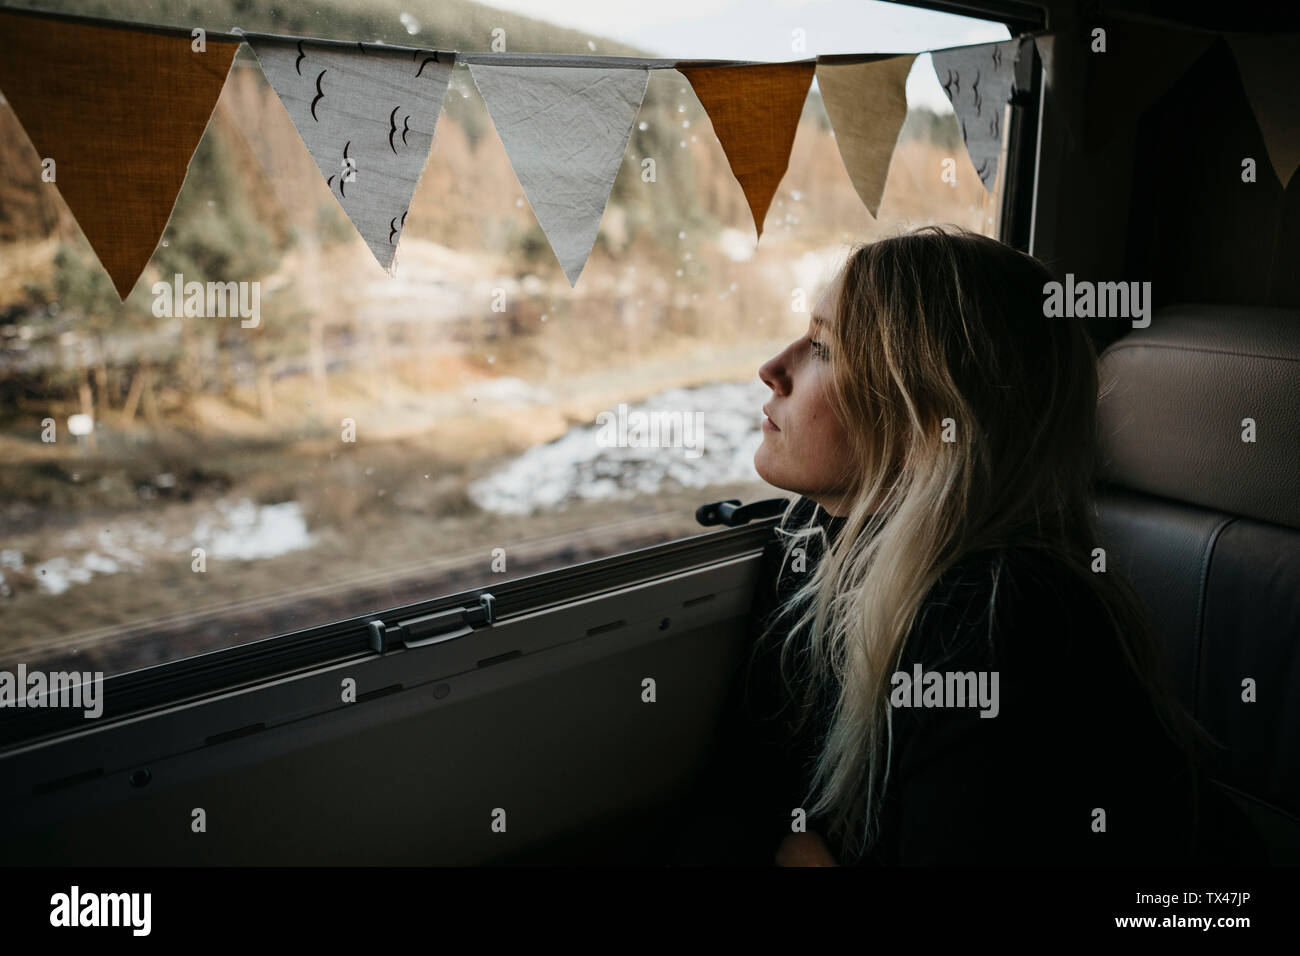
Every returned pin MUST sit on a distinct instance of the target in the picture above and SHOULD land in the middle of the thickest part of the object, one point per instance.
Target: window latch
(432, 628)
(732, 513)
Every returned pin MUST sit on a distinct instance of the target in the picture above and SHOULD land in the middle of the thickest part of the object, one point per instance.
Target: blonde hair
(943, 328)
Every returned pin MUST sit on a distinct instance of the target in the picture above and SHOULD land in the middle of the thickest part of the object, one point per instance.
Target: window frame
(133, 693)
(136, 693)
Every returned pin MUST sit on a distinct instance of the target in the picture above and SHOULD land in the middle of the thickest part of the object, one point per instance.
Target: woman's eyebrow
(818, 320)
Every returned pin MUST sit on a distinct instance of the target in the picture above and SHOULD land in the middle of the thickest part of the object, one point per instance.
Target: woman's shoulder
(1001, 604)
(1035, 620)
(1073, 725)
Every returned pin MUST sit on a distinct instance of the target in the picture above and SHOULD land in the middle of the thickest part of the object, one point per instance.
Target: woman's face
(805, 447)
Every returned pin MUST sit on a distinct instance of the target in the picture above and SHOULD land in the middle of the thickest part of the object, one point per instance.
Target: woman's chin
(762, 461)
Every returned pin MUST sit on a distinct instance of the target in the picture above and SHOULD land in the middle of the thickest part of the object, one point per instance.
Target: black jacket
(1074, 737)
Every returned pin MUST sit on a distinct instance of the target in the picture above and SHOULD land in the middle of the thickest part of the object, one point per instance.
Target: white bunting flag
(565, 130)
(978, 81)
(367, 116)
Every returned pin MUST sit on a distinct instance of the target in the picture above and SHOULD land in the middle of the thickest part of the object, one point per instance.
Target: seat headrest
(1181, 399)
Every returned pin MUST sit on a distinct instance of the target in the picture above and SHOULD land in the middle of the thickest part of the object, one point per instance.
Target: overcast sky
(762, 30)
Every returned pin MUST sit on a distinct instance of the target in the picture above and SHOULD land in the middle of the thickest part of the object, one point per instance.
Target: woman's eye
(819, 348)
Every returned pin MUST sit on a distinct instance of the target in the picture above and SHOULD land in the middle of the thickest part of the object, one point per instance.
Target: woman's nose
(774, 374)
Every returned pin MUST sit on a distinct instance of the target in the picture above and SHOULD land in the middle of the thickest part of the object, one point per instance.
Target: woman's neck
(834, 505)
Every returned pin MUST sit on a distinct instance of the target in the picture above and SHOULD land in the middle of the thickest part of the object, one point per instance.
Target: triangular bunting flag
(755, 111)
(1063, 76)
(120, 112)
(866, 104)
(565, 130)
(1046, 44)
(978, 81)
(1140, 64)
(1265, 64)
(367, 116)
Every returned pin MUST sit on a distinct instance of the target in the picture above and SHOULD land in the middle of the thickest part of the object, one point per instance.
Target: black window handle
(732, 513)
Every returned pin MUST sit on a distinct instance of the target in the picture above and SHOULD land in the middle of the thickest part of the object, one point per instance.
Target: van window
(380, 440)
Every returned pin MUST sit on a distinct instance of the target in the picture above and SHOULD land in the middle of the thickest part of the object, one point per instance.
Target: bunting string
(367, 113)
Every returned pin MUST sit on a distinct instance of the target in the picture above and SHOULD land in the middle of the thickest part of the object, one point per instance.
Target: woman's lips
(768, 424)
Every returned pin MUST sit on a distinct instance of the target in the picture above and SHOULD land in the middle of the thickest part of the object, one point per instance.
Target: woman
(945, 672)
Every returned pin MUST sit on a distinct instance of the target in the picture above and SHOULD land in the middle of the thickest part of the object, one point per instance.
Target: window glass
(204, 489)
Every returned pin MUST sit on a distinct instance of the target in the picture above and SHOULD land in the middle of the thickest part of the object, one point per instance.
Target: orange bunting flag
(115, 115)
(755, 111)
